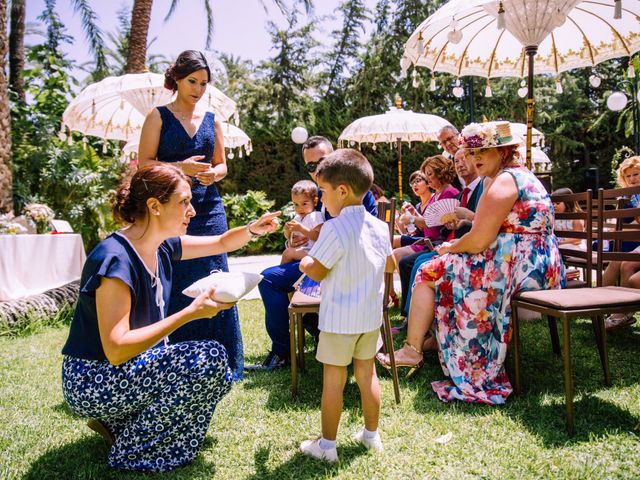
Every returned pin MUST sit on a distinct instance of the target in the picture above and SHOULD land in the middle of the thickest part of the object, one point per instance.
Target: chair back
(612, 228)
(587, 234)
(387, 213)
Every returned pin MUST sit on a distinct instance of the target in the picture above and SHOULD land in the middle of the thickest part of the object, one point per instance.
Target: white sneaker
(312, 449)
(374, 443)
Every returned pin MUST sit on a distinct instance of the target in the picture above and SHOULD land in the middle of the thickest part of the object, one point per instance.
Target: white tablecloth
(31, 264)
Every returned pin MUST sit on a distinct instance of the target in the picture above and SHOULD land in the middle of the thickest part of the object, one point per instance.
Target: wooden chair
(302, 304)
(593, 302)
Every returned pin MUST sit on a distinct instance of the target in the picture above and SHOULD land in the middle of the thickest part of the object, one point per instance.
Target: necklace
(181, 116)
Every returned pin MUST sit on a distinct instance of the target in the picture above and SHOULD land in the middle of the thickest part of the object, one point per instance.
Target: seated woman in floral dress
(152, 400)
(468, 288)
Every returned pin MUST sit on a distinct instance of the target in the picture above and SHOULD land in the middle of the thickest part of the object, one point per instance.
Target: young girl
(306, 223)
(625, 272)
(568, 224)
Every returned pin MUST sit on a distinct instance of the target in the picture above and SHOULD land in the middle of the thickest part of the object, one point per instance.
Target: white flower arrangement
(9, 227)
(38, 212)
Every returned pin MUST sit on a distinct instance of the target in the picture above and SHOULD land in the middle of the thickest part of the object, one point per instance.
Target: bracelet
(253, 235)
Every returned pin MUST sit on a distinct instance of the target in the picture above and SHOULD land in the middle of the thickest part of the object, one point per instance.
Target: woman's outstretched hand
(267, 223)
(204, 306)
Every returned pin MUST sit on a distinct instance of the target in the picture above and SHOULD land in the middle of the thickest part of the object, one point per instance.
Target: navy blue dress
(176, 145)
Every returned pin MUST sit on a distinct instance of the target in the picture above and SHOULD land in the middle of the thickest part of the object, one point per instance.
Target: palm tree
(6, 191)
(16, 48)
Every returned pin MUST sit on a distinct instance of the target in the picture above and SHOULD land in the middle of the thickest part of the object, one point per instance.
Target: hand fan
(441, 212)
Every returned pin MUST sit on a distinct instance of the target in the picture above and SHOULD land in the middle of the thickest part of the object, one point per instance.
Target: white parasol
(490, 38)
(115, 108)
(395, 126)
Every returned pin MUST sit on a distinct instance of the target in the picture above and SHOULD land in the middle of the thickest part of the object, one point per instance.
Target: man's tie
(465, 197)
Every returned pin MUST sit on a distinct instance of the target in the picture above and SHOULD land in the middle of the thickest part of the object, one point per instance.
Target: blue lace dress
(176, 145)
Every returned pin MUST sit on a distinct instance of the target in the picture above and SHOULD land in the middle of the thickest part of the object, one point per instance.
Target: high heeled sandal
(413, 367)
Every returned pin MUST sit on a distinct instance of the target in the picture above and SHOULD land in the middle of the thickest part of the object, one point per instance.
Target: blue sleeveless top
(114, 257)
(176, 145)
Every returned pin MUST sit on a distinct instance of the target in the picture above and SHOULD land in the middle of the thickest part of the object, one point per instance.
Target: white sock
(369, 435)
(327, 444)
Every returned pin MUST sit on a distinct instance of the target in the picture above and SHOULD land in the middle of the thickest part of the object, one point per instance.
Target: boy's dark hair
(305, 187)
(314, 141)
(348, 167)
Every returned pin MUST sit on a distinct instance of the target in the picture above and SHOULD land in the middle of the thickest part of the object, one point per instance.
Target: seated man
(278, 280)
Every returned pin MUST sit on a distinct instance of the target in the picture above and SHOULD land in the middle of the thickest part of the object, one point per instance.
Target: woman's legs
(158, 405)
(421, 313)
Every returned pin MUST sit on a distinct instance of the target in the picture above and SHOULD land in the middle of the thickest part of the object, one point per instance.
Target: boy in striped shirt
(349, 258)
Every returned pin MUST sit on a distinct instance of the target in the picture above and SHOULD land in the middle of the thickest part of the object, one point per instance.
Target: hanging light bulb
(420, 45)
(487, 91)
(631, 71)
(617, 10)
(458, 91)
(501, 19)
(558, 85)
(415, 79)
(432, 83)
(616, 101)
(595, 81)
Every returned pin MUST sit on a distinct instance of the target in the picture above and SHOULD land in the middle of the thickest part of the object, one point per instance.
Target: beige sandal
(619, 320)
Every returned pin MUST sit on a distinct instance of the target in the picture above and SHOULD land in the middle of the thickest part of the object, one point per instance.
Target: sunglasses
(312, 166)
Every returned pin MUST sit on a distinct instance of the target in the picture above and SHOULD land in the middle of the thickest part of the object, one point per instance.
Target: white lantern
(299, 135)
(616, 101)
(595, 81)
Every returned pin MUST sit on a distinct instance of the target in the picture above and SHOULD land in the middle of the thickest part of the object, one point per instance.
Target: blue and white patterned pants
(158, 405)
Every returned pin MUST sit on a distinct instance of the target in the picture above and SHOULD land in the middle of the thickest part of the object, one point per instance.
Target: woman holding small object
(152, 400)
(183, 134)
(439, 172)
(405, 222)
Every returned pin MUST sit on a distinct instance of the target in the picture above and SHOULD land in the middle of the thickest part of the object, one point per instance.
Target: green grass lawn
(257, 428)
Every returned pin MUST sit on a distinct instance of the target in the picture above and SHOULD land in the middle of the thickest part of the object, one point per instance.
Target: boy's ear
(343, 190)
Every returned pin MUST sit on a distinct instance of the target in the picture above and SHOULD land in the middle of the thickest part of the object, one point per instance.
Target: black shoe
(272, 362)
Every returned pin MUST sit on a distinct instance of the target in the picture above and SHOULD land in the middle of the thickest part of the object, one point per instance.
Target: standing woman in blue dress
(151, 399)
(191, 138)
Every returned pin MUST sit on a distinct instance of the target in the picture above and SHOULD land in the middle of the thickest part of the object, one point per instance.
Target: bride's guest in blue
(189, 137)
(151, 399)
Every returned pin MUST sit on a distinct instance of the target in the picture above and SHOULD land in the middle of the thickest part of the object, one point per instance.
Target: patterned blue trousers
(158, 405)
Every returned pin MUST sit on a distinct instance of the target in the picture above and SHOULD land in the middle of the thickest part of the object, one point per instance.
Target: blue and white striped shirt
(354, 246)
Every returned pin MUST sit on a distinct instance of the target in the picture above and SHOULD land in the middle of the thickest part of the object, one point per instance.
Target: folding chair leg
(601, 342)
(553, 330)
(515, 344)
(300, 328)
(293, 355)
(568, 382)
(388, 343)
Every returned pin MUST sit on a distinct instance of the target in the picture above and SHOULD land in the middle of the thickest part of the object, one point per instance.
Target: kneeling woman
(152, 400)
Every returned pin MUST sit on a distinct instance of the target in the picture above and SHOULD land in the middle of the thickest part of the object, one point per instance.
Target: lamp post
(299, 135)
(618, 100)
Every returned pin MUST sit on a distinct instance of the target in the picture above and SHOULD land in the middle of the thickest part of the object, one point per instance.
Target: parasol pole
(531, 51)
(399, 150)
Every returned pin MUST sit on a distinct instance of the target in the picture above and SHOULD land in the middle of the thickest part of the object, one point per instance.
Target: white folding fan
(441, 212)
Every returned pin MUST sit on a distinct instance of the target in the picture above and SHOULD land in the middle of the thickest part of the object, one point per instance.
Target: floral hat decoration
(485, 135)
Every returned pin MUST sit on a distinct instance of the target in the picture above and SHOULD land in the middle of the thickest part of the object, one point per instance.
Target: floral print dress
(473, 295)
